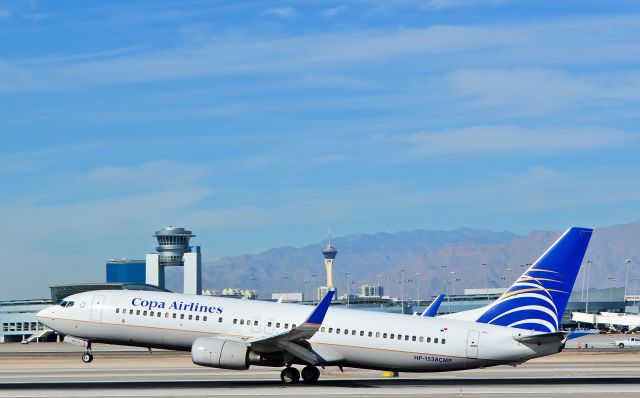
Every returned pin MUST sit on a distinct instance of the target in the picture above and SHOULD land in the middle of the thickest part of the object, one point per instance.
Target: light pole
(313, 287)
(379, 284)
(348, 288)
(586, 305)
(453, 283)
(486, 280)
(626, 278)
(286, 285)
(306, 288)
(612, 279)
(389, 285)
(509, 275)
(446, 286)
(418, 286)
(402, 288)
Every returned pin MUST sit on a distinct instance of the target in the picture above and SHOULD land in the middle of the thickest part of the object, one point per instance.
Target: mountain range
(428, 261)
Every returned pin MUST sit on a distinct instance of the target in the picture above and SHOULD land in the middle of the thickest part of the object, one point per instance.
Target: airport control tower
(329, 254)
(173, 250)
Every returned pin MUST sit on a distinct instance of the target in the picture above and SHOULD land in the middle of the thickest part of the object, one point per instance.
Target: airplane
(229, 333)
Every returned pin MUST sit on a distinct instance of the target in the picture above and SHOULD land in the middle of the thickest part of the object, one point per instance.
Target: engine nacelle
(220, 353)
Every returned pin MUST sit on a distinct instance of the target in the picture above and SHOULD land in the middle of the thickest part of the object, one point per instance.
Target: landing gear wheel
(290, 375)
(310, 374)
(88, 357)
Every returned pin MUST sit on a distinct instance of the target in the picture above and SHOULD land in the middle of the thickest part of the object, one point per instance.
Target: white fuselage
(354, 338)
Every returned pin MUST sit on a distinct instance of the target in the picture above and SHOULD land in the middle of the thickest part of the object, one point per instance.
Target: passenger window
(174, 315)
(406, 337)
(278, 326)
(166, 315)
(435, 340)
(293, 326)
(338, 331)
(421, 339)
(117, 310)
(399, 337)
(137, 312)
(130, 312)
(378, 334)
(269, 324)
(370, 334)
(197, 317)
(220, 320)
(428, 339)
(330, 330)
(255, 323)
(151, 313)
(353, 332)
(181, 316)
(384, 335)
(124, 310)
(443, 341)
(248, 322)
(242, 321)
(235, 321)
(204, 318)
(159, 314)
(286, 326)
(346, 331)
(392, 336)
(144, 313)
(322, 329)
(190, 316)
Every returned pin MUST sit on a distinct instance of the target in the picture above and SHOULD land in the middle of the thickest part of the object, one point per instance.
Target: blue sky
(259, 124)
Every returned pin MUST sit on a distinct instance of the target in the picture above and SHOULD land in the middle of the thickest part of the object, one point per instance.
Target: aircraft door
(472, 344)
(96, 308)
(255, 325)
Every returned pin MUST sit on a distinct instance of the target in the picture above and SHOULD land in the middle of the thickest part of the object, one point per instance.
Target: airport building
(126, 271)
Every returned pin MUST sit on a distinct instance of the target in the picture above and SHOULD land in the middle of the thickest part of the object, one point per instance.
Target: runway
(55, 370)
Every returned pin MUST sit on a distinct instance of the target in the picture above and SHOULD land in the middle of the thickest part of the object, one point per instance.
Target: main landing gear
(310, 374)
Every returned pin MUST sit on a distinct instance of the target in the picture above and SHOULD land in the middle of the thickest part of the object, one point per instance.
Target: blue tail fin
(537, 300)
(432, 309)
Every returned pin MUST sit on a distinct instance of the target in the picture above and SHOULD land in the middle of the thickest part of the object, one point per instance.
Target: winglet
(432, 309)
(317, 316)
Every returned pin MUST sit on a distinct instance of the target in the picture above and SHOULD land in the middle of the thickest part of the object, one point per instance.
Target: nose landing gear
(87, 357)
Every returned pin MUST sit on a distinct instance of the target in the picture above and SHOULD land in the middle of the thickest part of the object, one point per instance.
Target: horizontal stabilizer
(545, 338)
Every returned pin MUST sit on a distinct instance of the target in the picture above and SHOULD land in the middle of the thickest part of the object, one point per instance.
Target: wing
(295, 341)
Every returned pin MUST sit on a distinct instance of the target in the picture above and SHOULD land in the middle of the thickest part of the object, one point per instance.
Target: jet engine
(220, 353)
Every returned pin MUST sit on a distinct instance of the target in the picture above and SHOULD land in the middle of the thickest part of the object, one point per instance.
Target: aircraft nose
(44, 313)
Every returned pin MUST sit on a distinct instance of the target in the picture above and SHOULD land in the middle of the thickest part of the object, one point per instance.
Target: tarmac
(55, 370)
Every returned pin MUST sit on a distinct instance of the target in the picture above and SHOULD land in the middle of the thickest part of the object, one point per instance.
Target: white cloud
(233, 54)
(444, 4)
(282, 12)
(332, 12)
(487, 140)
(540, 91)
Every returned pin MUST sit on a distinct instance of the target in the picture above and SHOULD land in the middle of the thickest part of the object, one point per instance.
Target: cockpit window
(64, 303)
